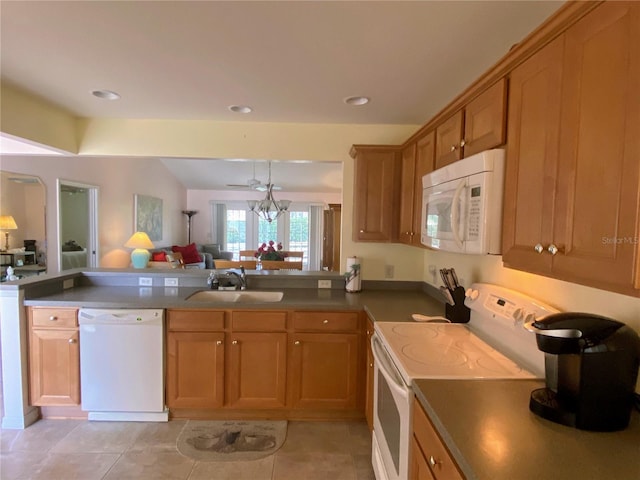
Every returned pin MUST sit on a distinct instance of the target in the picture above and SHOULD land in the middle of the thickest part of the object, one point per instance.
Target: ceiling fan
(255, 184)
(252, 183)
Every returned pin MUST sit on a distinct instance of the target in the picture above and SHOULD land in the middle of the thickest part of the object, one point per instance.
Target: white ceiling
(291, 61)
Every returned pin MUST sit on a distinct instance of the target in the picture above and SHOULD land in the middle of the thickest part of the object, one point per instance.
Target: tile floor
(82, 450)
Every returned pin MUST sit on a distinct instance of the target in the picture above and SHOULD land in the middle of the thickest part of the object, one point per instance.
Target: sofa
(195, 255)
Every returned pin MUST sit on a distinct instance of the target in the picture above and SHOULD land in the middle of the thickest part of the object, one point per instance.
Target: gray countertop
(492, 435)
(380, 305)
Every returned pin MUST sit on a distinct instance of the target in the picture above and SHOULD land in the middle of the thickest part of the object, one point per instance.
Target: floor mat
(219, 441)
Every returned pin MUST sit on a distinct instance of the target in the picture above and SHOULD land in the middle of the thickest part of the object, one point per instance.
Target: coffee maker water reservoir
(592, 368)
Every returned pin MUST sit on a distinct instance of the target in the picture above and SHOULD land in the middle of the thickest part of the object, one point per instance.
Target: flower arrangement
(270, 251)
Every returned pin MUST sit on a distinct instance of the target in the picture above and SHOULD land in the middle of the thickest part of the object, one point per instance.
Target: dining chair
(247, 264)
(294, 255)
(247, 254)
(281, 265)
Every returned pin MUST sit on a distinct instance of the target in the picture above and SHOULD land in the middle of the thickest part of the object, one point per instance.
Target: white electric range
(493, 345)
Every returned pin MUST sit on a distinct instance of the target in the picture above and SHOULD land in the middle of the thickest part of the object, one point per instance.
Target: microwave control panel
(473, 224)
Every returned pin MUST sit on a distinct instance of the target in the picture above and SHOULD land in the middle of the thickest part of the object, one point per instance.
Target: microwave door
(443, 216)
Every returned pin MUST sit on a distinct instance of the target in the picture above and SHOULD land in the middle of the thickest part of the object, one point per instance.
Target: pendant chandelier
(269, 209)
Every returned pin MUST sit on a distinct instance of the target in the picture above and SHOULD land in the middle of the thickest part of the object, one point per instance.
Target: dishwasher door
(121, 364)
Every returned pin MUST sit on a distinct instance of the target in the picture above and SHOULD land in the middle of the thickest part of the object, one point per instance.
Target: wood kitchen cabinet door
(418, 465)
(54, 367)
(532, 159)
(376, 193)
(485, 120)
(406, 232)
(448, 137)
(425, 161)
(195, 370)
(598, 226)
(257, 370)
(324, 370)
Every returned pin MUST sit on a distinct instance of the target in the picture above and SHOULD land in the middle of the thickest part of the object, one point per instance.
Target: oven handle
(386, 368)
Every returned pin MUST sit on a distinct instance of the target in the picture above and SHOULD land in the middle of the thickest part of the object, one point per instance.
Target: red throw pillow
(159, 256)
(189, 253)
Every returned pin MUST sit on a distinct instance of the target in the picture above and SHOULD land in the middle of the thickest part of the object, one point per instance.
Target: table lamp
(140, 242)
(7, 223)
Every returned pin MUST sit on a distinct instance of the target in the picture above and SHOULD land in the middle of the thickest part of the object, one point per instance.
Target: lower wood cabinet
(324, 370)
(54, 356)
(430, 459)
(264, 360)
(195, 369)
(256, 361)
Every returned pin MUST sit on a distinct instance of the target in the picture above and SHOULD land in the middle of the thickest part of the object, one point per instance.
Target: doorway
(77, 225)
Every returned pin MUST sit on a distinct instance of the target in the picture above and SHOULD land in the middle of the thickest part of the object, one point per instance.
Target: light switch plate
(171, 282)
(145, 281)
(324, 283)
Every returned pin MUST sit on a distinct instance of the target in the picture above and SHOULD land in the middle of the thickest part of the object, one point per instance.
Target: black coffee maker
(591, 365)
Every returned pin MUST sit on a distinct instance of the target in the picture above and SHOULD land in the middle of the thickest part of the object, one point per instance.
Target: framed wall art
(148, 216)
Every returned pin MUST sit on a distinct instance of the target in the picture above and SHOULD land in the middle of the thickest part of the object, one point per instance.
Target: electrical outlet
(324, 283)
(67, 283)
(171, 282)
(388, 271)
(145, 281)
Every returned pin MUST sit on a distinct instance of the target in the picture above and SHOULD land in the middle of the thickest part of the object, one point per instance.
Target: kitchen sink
(235, 296)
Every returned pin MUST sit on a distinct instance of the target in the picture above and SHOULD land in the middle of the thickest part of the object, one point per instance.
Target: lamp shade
(139, 241)
(7, 223)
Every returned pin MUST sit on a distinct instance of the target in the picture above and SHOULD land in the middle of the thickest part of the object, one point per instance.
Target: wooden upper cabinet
(584, 219)
(448, 137)
(406, 232)
(597, 230)
(532, 153)
(417, 161)
(481, 125)
(376, 193)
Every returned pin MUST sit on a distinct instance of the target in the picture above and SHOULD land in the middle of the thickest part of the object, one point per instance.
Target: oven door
(391, 417)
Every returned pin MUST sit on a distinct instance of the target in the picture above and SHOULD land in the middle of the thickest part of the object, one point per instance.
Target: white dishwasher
(122, 364)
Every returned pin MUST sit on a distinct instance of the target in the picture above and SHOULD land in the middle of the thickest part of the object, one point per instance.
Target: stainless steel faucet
(242, 277)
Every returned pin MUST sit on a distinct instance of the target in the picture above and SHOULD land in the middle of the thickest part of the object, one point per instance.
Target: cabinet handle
(297, 342)
(325, 321)
(463, 142)
(219, 342)
(453, 148)
(72, 340)
(538, 248)
(361, 231)
(235, 342)
(52, 318)
(553, 249)
(432, 461)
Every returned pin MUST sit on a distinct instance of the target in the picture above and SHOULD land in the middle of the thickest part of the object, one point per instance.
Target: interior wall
(118, 180)
(563, 295)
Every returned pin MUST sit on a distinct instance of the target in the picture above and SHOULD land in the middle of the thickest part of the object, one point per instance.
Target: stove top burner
(443, 351)
(435, 354)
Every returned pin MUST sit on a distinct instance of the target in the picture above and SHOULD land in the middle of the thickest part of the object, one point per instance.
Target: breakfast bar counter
(491, 434)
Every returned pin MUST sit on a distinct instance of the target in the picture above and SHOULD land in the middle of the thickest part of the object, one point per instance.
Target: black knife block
(458, 312)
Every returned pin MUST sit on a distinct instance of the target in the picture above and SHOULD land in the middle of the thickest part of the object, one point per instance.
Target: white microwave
(462, 205)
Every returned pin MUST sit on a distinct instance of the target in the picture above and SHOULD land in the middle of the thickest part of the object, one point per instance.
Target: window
(299, 229)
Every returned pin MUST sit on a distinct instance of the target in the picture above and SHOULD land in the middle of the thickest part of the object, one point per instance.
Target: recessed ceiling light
(356, 100)
(240, 108)
(106, 94)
